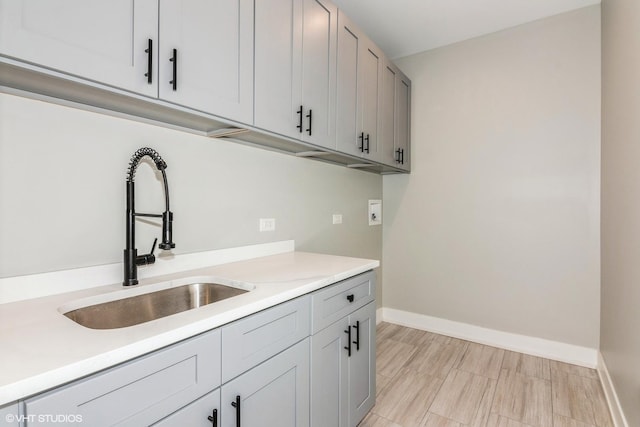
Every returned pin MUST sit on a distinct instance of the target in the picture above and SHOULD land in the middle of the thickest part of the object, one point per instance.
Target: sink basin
(142, 308)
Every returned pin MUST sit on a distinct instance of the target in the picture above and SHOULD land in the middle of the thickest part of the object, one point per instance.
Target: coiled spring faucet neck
(138, 155)
(131, 257)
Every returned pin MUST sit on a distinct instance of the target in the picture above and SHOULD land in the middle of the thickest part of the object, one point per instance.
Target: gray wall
(498, 224)
(62, 174)
(620, 310)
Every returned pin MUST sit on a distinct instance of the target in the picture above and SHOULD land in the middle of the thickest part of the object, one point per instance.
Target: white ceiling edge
(406, 27)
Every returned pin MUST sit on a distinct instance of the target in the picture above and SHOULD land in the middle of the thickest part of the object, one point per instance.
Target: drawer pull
(149, 52)
(174, 59)
(236, 405)
(214, 418)
(350, 297)
(366, 149)
(309, 117)
(348, 347)
(357, 341)
(299, 125)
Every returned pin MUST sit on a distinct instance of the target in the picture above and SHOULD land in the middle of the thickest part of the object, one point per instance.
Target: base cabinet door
(111, 42)
(204, 412)
(343, 381)
(362, 363)
(330, 377)
(274, 393)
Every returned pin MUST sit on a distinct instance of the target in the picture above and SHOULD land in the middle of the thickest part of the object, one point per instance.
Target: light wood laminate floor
(429, 380)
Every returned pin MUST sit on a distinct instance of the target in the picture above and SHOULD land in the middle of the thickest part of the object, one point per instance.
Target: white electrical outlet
(337, 218)
(267, 224)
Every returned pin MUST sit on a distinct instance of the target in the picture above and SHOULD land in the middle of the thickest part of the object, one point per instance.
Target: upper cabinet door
(104, 41)
(394, 124)
(319, 38)
(358, 81)
(387, 130)
(206, 56)
(348, 125)
(369, 93)
(278, 77)
(403, 122)
(295, 69)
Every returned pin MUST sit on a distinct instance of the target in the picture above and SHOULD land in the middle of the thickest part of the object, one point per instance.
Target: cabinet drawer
(142, 391)
(336, 301)
(254, 339)
(196, 414)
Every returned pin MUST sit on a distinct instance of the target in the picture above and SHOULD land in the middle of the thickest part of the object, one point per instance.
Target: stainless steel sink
(154, 305)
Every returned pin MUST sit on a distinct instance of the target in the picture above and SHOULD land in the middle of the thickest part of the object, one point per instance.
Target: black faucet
(131, 258)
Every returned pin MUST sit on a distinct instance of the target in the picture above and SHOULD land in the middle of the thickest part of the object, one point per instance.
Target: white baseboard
(378, 315)
(554, 350)
(610, 394)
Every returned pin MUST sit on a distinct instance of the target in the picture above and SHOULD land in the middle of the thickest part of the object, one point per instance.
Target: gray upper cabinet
(130, 45)
(394, 123)
(295, 75)
(275, 393)
(358, 91)
(206, 56)
(103, 41)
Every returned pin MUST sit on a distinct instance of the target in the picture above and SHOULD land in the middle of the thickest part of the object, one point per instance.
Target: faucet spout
(131, 258)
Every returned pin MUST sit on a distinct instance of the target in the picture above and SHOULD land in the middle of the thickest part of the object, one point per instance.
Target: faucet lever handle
(149, 258)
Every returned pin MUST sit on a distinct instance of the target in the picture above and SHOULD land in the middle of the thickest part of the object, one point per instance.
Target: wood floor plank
(527, 365)
(413, 336)
(406, 399)
(524, 399)
(574, 369)
(482, 360)
(484, 411)
(381, 382)
(392, 355)
(433, 420)
(374, 420)
(460, 396)
(499, 421)
(386, 331)
(560, 421)
(579, 398)
(436, 358)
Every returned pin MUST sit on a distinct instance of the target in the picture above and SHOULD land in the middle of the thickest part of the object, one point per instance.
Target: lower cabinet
(343, 386)
(308, 361)
(275, 393)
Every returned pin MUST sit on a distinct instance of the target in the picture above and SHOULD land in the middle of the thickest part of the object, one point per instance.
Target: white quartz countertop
(42, 349)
